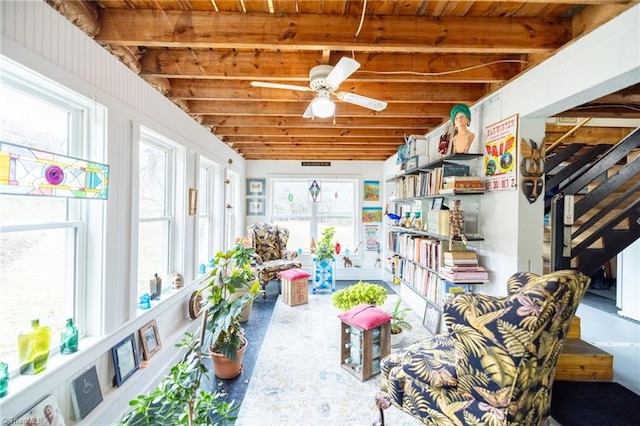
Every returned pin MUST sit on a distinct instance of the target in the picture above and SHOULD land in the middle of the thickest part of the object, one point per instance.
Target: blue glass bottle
(4, 379)
(69, 338)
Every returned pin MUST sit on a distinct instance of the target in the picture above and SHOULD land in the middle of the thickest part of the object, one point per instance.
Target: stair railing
(565, 211)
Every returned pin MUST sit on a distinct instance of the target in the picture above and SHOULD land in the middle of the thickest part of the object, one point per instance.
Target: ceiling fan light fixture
(322, 106)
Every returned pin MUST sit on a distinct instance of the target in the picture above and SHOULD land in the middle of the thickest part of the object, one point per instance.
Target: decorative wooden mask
(532, 169)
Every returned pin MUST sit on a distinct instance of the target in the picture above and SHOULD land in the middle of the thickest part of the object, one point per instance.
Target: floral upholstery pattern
(270, 243)
(496, 362)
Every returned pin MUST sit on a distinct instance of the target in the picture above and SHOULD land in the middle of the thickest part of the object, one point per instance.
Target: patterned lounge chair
(495, 363)
(270, 243)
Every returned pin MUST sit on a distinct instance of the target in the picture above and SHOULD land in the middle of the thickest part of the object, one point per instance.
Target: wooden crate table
(365, 340)
(295, 286)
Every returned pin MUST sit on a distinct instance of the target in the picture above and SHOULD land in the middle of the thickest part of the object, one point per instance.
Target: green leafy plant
(355, 294)
(325, 247)
(178, 399)
(232, 272)
(399, 321)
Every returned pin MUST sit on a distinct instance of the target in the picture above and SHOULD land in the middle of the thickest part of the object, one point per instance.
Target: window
(42, 239)
(155, 206)
(205, 213)
(336, 205)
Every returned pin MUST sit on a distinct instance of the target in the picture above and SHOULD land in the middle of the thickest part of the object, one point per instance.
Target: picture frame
(125, 359)
(150, 338)
(256, 187)
(193, 201)
(371, 214)
(371, 190)
(255, 207)
(38, 413)
(436, 203)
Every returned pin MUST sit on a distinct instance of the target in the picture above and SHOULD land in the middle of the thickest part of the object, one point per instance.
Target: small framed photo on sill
(125, 359)
(150, 339)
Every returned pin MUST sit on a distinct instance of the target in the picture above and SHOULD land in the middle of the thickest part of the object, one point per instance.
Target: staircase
(581, 361)
(593, 202)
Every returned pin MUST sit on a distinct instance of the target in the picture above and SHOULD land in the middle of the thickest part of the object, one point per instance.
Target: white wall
(364, 261)
(604, 61)
(39, 38)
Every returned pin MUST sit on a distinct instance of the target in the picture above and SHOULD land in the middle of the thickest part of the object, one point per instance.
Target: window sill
(62, 368)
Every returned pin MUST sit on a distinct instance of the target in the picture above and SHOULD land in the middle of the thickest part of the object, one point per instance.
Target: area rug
(298, 378)
(594, 404)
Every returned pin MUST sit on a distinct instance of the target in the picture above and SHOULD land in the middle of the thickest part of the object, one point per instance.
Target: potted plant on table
(356, 294)
(226, 342)
(398, 323)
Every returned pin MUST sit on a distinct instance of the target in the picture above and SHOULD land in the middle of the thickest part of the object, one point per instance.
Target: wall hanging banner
(500, 155)
(28, 171)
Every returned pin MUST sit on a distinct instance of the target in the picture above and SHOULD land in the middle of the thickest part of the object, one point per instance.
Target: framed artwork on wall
(255, 207)
(150, 339)
(256, 187)
(125, 359)
(371, 190)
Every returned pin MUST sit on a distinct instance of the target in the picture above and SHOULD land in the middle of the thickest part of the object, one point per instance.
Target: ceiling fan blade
(362, 101)
(308, 112)
(280, 86)
(343, 69)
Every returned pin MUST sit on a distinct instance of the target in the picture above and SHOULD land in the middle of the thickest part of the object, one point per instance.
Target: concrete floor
(603, 327)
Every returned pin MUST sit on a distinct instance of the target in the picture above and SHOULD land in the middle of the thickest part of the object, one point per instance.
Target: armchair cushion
(270, 243)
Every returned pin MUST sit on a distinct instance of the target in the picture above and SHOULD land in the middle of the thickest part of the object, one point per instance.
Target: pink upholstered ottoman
(295, 286)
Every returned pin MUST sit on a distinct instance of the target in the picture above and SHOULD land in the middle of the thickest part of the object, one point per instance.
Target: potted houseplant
(398, 323)
(244, 256)
(179, 399)
(324, 262)
(226, 341)
(356, 294)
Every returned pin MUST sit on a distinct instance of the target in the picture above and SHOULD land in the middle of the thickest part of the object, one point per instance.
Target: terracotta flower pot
(224, 367)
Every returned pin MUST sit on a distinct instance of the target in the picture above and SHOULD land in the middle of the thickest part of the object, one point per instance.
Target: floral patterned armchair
(270, 243)
(495, 363)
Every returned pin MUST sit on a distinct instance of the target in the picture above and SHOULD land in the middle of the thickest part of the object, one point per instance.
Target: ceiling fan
(325, 79)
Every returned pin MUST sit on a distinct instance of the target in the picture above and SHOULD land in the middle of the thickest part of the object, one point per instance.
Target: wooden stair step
(574, 329)
(581, 361)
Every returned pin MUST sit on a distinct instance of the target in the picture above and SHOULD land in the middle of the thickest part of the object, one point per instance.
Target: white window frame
(168, 218)
(84, 217)
(313, 221)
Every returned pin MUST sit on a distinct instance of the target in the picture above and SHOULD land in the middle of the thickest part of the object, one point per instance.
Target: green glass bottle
(33, 348)
(69, 338)
(4, 379)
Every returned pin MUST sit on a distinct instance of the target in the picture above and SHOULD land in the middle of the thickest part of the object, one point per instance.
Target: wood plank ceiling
(422, 57)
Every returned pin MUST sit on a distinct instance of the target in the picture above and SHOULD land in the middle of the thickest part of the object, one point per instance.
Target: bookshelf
(416, 255)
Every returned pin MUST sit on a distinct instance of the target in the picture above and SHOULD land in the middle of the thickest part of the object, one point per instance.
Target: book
(454, 169)
(461, 191)
(462, 254)
(86, 393)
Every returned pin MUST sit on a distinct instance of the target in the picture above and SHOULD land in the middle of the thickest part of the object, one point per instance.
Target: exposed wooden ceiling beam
(411, 125)
(409, 34)
(343, 109)
(309, 132)
(391, 91)
(230, 64)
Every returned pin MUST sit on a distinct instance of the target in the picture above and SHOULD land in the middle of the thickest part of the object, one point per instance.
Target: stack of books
(437, 222)
(462, 266)
(461, 184)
